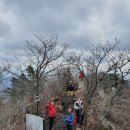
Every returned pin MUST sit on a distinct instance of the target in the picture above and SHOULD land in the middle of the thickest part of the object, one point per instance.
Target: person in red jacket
(51, 113)
(81, 75)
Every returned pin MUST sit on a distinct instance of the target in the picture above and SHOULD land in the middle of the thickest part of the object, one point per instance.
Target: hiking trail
(67, 101)
(80, 93)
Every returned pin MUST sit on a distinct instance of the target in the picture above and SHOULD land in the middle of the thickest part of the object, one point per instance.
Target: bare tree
(4, 71)
(45, 56)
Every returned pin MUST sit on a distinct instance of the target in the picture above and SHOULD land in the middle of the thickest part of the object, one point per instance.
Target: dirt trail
(78, 128)
(80, 93)
(68, 101)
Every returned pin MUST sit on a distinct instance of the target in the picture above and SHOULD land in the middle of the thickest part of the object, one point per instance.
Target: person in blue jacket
(70, 118)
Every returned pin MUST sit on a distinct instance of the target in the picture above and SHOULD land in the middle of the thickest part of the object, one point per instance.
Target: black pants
(69, 127)
(78, 116)
(51, 122)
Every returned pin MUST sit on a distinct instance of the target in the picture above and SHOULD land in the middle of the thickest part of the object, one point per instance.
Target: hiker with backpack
(70, 119)
(51, 110)
(78, 106)
(70, 89)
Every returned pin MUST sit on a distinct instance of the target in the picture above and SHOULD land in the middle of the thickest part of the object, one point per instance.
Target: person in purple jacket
(70, 118)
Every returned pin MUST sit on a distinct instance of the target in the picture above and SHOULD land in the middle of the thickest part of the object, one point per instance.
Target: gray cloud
(4, 29)
(76, 22)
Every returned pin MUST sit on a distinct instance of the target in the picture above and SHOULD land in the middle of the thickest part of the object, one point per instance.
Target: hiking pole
(44, 127)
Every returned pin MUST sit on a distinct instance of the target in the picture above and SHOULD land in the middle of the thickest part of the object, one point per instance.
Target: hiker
(51, 113)
(70, 118)
(78, 106)
(70, 89)
(81, 75)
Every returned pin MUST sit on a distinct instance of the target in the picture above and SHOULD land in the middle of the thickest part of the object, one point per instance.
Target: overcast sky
(77, 22)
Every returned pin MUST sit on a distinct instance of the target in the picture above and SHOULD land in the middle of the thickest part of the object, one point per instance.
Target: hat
(52, 99)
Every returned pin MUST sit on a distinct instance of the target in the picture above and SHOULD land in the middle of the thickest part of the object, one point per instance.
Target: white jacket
(78, 105)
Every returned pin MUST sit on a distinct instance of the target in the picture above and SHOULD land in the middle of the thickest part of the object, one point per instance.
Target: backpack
(75, 119)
